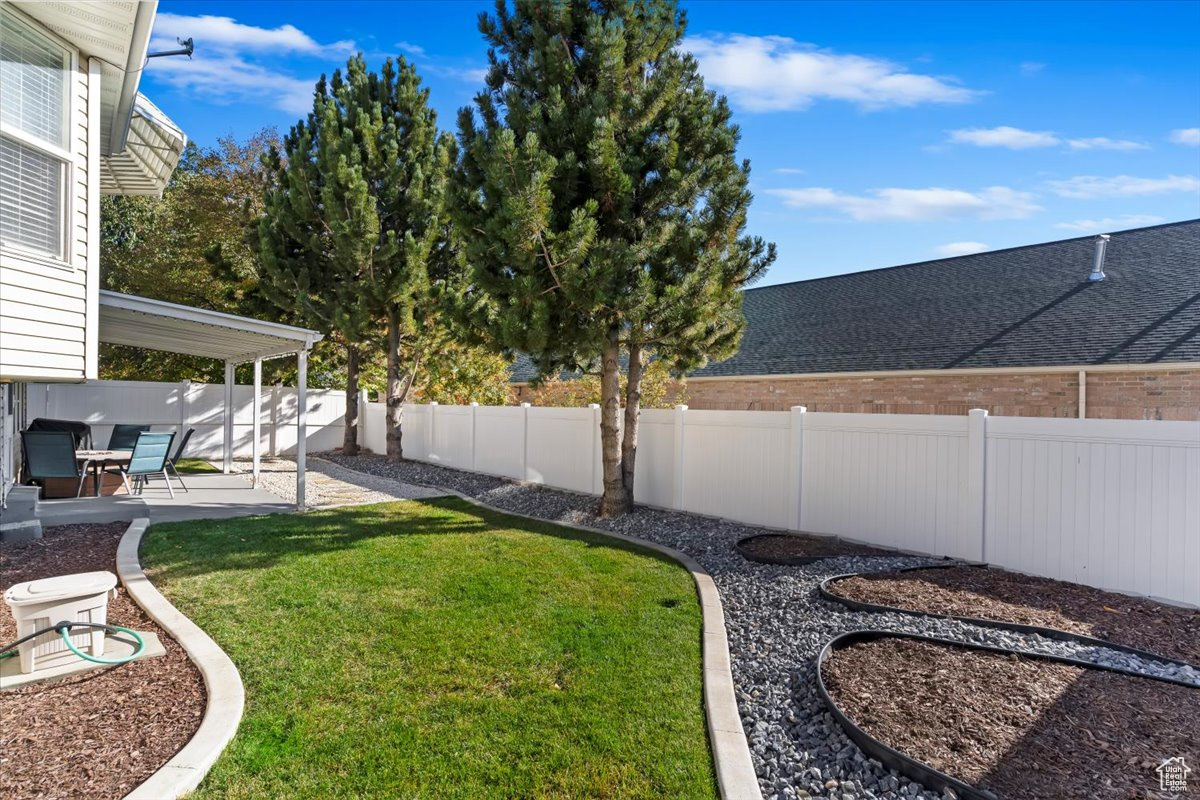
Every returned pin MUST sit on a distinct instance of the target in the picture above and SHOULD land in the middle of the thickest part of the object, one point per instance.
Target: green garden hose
(10, 650)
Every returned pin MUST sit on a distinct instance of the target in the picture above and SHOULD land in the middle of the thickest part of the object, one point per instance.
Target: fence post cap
(433, 402)
(978, 412)
(593, 405)
(800, 409)
(474, 404)
(525, 405)
(681, 407)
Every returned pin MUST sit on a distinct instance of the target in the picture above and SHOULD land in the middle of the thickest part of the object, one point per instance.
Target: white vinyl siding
(34, 154)
(43, 297)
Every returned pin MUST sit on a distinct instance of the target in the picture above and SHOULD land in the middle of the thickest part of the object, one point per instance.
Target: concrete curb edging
(736, 777)
(226, 698)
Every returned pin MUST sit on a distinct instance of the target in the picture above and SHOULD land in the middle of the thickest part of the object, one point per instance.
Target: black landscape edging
(801, 561)
(1013, 627)
(908, 766)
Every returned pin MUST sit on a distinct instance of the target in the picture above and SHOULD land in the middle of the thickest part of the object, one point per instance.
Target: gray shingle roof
(1025, 306)
(1020, 307)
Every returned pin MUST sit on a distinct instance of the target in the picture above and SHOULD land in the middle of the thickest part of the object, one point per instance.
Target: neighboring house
(1020, 332)
(73, 127)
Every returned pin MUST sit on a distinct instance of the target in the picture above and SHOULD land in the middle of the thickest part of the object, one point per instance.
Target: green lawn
(194, 465)
(436, 650)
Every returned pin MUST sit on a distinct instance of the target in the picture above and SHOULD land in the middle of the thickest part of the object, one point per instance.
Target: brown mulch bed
(101, 733)
(1022, 728)
(799, 548)
(998, 594)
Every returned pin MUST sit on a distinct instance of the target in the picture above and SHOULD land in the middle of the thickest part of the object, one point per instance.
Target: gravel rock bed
(776, 624)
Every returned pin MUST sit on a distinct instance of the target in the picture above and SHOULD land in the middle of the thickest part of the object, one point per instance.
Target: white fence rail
(179, 406)
(1108, 503)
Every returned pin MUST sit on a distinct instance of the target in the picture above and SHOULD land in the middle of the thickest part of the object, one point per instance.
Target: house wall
(44, 304)
(1163, 395)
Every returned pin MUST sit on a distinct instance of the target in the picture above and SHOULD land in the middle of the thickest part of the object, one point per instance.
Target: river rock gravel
(777, 624)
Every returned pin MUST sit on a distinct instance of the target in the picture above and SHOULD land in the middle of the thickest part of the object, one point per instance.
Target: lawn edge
(736, 777)
(225, 695)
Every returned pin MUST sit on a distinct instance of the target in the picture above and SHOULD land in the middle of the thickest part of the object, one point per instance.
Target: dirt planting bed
(797, 549)
(1022, 728)
(101, 733)
(1004, 596)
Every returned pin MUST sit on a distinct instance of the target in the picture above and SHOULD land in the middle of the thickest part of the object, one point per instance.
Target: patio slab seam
(225, 695)
(736, 777)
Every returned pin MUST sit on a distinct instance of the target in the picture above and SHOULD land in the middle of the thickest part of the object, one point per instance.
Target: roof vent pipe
(1098, 264)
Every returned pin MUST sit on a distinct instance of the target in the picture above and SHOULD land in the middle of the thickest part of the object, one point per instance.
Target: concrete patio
(210, 496)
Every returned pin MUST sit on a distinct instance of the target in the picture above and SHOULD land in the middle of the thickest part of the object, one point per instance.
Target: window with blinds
(33, 133)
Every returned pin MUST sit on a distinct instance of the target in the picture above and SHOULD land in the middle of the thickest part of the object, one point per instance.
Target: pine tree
(355, 227)
(601, 205)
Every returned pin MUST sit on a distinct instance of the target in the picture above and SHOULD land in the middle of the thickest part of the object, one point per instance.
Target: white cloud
(231, 79)
(952, 249)
(1188, 136)
(1031, 68)
(1104, 143)
(1110, 223)
(1019, 139)
(465, 74)
(915, 205)
(1004, 136)
(775, 73)
(226, 33)
(1090, 187)
(409, 47)
(788, 171)
(222, 69)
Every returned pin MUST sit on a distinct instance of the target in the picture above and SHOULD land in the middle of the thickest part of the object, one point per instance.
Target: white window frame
(65, 258)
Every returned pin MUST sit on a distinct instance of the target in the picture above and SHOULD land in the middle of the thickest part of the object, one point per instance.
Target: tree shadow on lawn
(189, 549)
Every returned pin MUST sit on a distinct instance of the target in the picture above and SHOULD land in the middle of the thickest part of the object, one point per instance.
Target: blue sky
(878, 133)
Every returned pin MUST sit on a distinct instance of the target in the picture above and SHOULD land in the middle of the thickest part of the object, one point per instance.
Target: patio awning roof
(158, 325)
(151, 152)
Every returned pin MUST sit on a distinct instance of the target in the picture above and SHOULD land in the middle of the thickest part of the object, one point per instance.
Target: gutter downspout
(143, 22)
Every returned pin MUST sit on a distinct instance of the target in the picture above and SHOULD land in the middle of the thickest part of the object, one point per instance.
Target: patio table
(99, 459)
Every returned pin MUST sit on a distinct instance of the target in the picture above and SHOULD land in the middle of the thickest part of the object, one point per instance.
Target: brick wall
(1114, 395)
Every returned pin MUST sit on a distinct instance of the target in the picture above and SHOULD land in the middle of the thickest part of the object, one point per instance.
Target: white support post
(524, 442)
(796, 468)
(597, 464)
(256, 425)
(677, 459)
(271, 444)
(976, 499)
(1083, 394)
(474, 413)
(301, 424)
(227, 448)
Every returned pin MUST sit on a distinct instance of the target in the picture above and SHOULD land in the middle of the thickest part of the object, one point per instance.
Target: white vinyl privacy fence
(1108, 503)
(179, 406)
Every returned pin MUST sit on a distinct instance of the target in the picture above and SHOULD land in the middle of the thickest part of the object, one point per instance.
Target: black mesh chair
(51, 454)
(124, 437)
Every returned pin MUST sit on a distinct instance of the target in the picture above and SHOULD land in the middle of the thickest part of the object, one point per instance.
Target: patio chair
(51, 454)
(149, 457)
(173, 461)
(125, 436)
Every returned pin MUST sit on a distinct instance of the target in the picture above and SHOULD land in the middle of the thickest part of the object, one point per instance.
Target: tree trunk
(350, 437)
(633, 412)
(395, 392)
(615, 500)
